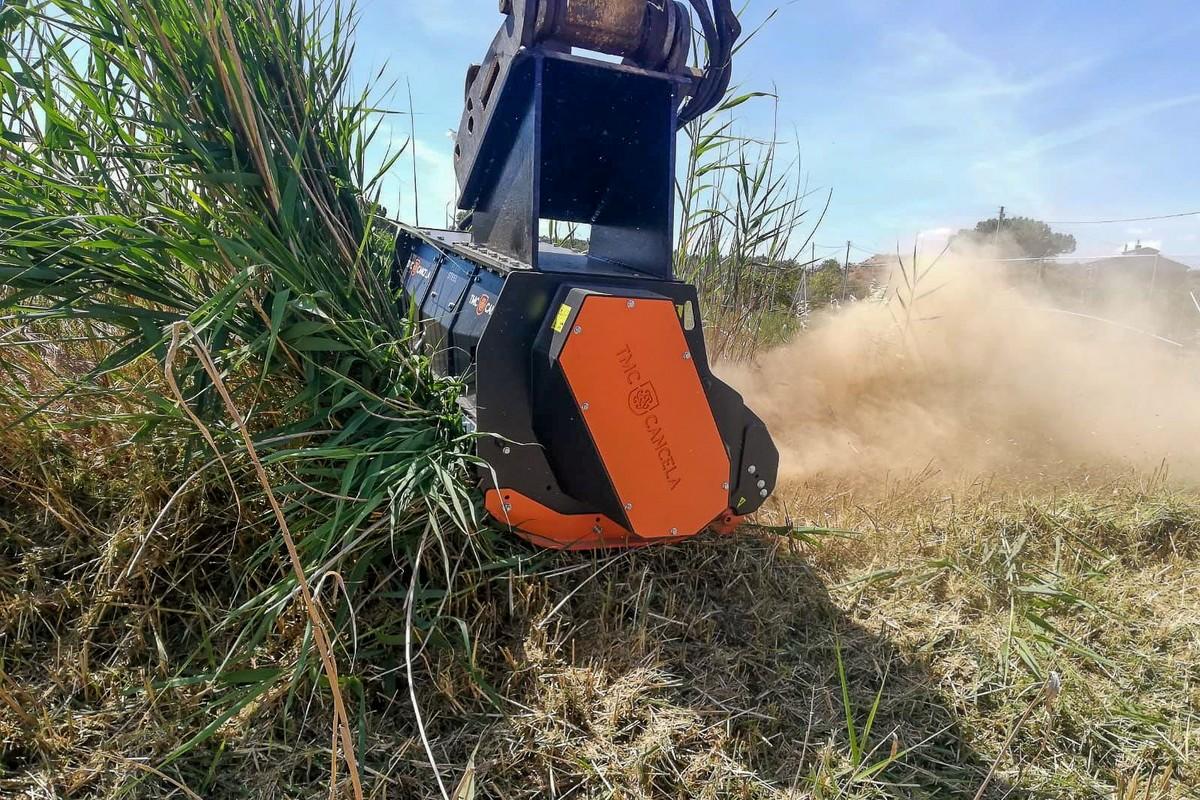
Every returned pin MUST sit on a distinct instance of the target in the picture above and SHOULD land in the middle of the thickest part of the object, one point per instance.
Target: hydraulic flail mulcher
(588, 370)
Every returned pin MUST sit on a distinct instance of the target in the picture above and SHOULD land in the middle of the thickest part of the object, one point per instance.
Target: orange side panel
(629, 368)
(543, 526)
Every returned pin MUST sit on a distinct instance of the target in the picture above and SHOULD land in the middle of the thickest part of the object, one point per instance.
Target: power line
(840, 247)
(867, 250)
(1128, 219)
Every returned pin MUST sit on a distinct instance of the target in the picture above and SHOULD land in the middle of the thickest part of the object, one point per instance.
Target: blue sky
(922, 117)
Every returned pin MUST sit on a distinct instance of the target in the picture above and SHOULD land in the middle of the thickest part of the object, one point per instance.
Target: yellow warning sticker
(560, 319)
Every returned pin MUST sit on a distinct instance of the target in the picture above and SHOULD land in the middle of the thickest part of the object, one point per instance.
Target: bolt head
(725, 486)
(506, 450)
(629, 506)
(630, 304)
(508, 506)
(687, 355)
(577, 329)
(763, 493)
(596, 529)
(762, 484)
(584, 406)
(674, 531)
(752, 469)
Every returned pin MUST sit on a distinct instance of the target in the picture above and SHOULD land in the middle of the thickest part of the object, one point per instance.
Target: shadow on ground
(711, 670)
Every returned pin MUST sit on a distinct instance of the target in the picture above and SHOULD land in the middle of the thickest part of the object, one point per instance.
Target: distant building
(1145, 288)
(1144, 265)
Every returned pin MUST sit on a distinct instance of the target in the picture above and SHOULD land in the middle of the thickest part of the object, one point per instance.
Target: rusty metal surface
(653, 35)
(608, 26)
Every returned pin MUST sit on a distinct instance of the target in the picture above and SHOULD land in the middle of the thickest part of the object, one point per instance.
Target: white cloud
(434, 175)
(1074, 134)
(965, 110)
(465, 18)
(936, 233)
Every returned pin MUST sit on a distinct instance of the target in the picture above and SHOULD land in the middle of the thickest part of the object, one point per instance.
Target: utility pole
(812, 265)
(846, 271)
(800, 297)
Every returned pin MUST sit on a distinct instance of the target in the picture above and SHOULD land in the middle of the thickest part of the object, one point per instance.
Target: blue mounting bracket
(562, 137)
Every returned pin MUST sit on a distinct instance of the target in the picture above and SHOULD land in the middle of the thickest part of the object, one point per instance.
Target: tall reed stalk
(741, 238)
(191, 255)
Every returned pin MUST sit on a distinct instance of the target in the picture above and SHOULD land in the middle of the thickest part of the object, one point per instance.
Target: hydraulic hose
(721, 31)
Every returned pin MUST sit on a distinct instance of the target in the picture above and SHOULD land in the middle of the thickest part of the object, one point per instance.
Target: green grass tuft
(191, 256)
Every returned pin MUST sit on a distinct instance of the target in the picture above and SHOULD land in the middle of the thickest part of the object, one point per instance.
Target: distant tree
(788, 282)
(825, 283)
(1028, 237)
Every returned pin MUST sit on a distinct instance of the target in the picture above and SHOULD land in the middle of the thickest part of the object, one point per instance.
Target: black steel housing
(501, 352)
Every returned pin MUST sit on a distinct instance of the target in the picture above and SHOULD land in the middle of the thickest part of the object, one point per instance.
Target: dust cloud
(979, 371)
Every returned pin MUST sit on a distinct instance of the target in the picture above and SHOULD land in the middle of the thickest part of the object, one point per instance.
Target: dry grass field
(241, 555)
(921, 640)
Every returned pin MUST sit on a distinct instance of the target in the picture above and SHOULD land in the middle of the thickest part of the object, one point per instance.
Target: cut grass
(728, 667)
